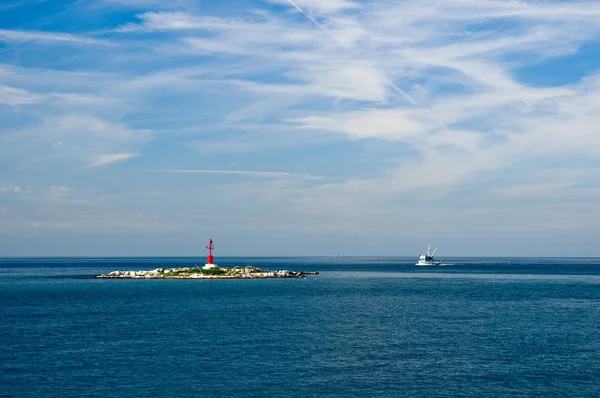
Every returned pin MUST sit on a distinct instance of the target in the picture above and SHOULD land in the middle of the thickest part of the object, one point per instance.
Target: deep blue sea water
(364, 327)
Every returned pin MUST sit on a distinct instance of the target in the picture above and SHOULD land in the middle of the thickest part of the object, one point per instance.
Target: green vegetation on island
(207, 272)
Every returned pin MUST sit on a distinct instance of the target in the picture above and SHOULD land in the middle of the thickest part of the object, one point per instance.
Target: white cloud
(101, 160)
(16, 96)
(17, 189)
(147, 4)
(268, 174)
(344, 79)
(59, 190)
(88, 140)
(404, 43)
(392, 124)
(149, 193)
(25, 36)
(175, 21)
(249, 80)
(7, 4)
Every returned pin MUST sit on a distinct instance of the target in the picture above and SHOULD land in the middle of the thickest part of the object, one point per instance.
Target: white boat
(427, 258)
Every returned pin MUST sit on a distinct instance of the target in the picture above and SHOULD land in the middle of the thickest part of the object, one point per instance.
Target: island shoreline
(212, 272)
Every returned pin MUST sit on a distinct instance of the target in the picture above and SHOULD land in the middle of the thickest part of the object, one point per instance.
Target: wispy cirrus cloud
(8, 4)
(424, 103)
(25, 36)
(16, 96)
(16, 189)
(102, 160)
(145, 4)
(87, 140)
(265, 174)
(173, 21)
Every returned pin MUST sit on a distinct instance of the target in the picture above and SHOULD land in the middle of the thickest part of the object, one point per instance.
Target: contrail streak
(401, 92)
(311, 19)
(396, 89)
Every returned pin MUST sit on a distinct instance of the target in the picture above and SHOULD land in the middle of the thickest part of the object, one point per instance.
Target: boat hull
(428, 263)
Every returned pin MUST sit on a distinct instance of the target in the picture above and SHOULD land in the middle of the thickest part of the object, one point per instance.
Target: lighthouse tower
(209, 262)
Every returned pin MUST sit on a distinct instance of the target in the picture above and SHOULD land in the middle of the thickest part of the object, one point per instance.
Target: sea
(363, 327)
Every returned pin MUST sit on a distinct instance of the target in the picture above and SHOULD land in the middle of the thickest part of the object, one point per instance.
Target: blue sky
(315, 127)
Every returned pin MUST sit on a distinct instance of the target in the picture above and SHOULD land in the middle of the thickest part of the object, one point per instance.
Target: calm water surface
(375, 327)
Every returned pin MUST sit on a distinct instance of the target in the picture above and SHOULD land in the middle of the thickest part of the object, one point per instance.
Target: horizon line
(278, 256)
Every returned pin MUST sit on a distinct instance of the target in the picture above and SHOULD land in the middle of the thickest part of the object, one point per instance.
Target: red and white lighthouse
(210, 248)
(209, 262)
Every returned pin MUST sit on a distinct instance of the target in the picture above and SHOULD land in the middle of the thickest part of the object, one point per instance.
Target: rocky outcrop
(213, 273)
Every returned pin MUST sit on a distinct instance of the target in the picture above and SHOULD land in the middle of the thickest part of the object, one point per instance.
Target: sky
(299, 127)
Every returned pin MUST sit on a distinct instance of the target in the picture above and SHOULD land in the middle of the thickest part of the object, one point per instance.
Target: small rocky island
(207, 272)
